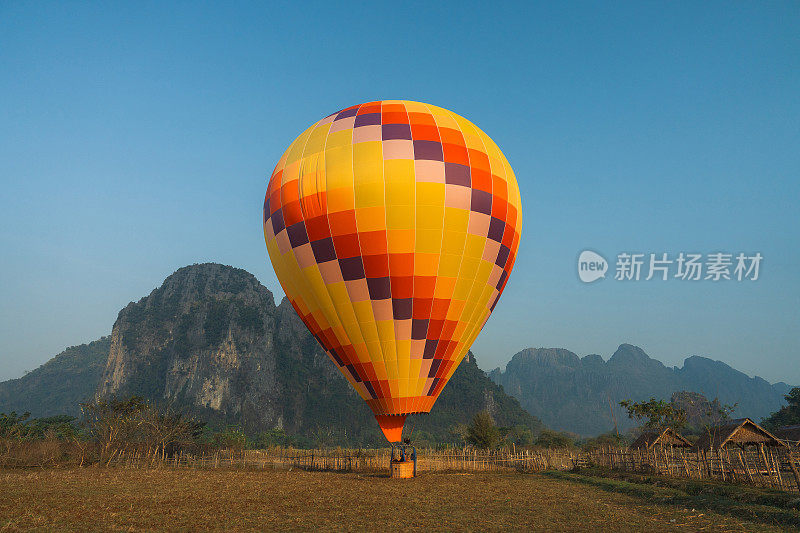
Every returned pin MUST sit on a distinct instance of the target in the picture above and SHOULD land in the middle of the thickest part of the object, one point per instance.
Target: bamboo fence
(761, 466)
(362, 460)
(777, 468)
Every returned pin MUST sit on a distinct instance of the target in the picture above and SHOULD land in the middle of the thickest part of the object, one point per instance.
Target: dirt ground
(186, 499)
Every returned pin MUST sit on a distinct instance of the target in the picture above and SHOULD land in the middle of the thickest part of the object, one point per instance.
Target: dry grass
(192, 499)
(16, 453)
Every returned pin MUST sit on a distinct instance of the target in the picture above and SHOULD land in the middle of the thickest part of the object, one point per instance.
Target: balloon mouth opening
(392, 426)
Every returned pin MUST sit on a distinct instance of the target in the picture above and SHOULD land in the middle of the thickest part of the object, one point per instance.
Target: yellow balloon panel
(393, 227)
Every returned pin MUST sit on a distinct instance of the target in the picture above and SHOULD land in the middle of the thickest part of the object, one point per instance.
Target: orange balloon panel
(393, 227)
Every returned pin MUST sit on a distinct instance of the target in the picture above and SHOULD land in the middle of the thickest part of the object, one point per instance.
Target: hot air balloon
(393, 227)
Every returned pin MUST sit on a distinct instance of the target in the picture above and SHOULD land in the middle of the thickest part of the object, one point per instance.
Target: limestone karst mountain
(577, 394)
(210, 340)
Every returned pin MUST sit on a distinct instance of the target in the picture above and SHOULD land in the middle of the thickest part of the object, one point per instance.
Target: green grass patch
(755, 504)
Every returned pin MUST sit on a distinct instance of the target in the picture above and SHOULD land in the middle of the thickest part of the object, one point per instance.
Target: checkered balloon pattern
(393, 227)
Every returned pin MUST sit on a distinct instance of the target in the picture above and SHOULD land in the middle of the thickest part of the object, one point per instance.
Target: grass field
(188, 499)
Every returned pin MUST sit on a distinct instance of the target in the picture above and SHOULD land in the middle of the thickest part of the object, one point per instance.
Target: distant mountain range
(577, 394)
(210, 340)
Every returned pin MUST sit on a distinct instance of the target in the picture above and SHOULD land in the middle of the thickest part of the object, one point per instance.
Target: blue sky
(138, 137)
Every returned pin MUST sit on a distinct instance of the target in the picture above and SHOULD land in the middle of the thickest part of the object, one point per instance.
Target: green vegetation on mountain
(211, 342)
(59, 385)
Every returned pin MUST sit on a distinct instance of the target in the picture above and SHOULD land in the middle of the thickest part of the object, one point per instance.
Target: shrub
(482, 432)
(554, 439)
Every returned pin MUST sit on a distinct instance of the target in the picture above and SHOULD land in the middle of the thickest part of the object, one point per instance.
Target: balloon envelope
(393, 227)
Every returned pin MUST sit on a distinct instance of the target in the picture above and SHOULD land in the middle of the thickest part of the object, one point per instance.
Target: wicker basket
(403, 469)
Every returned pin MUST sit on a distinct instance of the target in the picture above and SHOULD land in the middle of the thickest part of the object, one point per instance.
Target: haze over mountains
(60, 384)
(210, 340)
(577, 394)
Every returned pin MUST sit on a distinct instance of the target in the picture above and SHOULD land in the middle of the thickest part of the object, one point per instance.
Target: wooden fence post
(793, 468)
(777, 464)
(764, 459)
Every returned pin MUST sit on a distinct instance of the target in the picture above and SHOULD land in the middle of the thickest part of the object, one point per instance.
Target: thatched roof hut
(740, 432)
(666, 437)
(789, 435)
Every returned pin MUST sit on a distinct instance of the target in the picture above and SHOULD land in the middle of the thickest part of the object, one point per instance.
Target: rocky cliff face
(577, 394)
(212, 340)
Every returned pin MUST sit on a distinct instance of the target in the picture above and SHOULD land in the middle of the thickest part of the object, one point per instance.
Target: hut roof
(790, 434)
(664, 437)
(741, 431)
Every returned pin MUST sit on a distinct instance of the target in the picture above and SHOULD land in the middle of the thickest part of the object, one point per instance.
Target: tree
(788, 415)
(554, 439)
(113, 424)
(233, 437)
(163, 431)
(716, 415)
(459, 434)
(719, 412)
(482, 432)
(323, 436)
(606, 440)
(134, 424)
(518, 435)
(699, 410)
(14, 426)
(657, 413)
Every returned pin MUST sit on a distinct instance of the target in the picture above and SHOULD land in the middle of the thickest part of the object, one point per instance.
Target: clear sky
(138, 137)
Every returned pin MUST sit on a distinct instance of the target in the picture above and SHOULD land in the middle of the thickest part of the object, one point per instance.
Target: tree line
(110, 428)
(693, 414)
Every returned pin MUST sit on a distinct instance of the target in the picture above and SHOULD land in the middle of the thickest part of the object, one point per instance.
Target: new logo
(591, 266)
